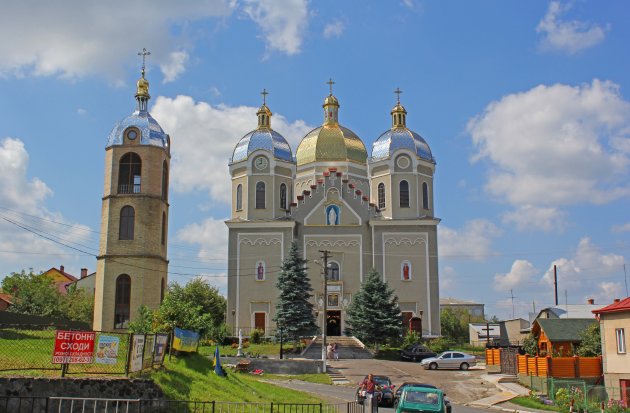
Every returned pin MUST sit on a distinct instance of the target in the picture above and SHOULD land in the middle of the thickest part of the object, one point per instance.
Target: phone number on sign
(73, 359)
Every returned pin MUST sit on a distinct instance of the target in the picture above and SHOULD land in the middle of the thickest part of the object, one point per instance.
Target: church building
(369, 210)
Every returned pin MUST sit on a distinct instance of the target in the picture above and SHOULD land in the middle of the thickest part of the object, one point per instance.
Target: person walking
(335, 349)
(369, 387)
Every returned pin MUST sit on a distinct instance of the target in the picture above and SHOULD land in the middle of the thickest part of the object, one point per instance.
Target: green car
(418, 399)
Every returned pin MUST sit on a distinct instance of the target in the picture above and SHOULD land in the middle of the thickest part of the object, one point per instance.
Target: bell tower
(132, 268)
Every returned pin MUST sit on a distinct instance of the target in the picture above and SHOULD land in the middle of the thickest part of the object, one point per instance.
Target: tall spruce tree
(374, 315)
(294, 311)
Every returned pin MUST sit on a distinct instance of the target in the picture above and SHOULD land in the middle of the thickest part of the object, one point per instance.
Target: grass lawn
(533, 404)
(191, 377)
(313, 378)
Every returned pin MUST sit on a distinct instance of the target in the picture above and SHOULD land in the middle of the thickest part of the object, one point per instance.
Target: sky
(525, 105)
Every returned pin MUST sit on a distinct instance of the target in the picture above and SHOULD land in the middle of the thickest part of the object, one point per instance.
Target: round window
(132, 134)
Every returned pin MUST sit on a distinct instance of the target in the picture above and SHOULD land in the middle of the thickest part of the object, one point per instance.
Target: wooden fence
(570, 367)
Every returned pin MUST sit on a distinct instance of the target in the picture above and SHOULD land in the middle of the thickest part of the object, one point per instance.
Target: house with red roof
(60, 278)
(614, 322)
(5, 301)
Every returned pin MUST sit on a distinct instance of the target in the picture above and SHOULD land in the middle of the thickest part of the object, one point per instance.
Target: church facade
(369, 211)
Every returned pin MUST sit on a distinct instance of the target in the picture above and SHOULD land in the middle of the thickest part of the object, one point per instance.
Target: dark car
(384, 391)
(416, 352)
(399, 390)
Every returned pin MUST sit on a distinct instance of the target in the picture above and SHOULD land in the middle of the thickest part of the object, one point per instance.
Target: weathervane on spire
(264, 93)
(398, 92)
(144, 53)
(330, 83)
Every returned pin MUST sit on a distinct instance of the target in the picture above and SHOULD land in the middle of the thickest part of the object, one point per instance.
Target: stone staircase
(349, 348)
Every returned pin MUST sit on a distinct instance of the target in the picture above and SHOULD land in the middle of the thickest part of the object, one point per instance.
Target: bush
(410, 339)
(440, 344)
(256, 336)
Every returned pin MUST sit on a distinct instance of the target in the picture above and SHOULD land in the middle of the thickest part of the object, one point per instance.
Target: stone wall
(275, 366)
(71, 387)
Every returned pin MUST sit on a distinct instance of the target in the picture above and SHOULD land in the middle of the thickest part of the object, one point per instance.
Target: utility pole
(625, 278)
(325, 256)
(512, 295)
(555, 281)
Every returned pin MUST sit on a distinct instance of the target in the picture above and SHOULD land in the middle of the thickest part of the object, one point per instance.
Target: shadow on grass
(20, 335)
(197, 362)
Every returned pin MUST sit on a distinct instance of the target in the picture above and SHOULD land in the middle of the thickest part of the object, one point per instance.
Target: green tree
(530, 345)
(454, 325)
(294, 310)
(34, 294)
(197, 306)
(143, 323)
(591, 342)
(374, 315)
(79, 304)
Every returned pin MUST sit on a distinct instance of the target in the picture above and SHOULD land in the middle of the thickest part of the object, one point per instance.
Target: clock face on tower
(261, 163)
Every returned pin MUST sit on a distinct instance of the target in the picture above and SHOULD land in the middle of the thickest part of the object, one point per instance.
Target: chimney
(591, 301)
(83, 272)
(61, 268)
(616, 300)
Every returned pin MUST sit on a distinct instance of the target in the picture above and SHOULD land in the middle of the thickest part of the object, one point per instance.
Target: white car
(450, 360)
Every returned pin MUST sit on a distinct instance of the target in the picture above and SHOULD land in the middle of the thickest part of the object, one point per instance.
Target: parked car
(421, 400)
(384, 391)
(400, 388)
(416, 352)
(450, 360)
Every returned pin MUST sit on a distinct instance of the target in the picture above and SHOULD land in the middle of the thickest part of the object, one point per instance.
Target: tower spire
(399, 114)
(331, 107)
(142, 86)
(264, 114)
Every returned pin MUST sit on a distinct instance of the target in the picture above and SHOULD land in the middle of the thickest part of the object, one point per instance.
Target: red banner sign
(74, 347)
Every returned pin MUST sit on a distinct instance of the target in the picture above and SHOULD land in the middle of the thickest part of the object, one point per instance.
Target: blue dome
(265, 139)
(400, 138)
(152, 133)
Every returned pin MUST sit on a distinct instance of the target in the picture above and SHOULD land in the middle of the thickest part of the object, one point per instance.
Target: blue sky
(525, 106)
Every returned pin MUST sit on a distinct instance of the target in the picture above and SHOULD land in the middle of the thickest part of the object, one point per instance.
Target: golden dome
(142, 87)
(331, 143)
(330, 100)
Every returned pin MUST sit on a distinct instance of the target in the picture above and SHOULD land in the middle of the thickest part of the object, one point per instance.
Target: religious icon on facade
(406, 271)
(333, 300)
(332, 215)
(260, 271)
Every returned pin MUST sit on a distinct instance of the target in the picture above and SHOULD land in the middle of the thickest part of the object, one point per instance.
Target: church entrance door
(333, 323)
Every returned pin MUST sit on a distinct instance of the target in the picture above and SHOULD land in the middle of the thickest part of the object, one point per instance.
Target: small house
(559, 336)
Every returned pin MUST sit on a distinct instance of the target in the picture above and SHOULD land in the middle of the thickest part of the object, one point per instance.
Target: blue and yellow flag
(218, 370)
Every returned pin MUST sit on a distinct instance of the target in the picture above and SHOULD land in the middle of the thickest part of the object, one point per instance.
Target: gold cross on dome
(144, 53)
(264, 93)
(330, 83)
(398, 92)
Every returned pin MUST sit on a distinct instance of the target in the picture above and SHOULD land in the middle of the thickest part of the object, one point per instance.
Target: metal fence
(30, 348)
(586, 396)
(11, 404)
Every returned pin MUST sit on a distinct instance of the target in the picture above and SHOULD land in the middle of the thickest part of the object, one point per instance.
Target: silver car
(450, 360)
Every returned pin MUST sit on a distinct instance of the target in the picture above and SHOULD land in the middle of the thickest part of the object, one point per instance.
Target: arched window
(283, 196)
(164, 181)
(404, 194)
(129, 174)
(162, 288)
(122, 301)
(260, 195)
(239, 197)
(405, 271)
(381, 196)
(425, 195)
(163, 228)
(333, 271)
(127, 221)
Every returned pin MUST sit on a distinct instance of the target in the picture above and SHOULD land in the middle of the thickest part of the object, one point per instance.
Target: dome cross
(144, 53)
(264, 94)
(330, 83)
(398, 92)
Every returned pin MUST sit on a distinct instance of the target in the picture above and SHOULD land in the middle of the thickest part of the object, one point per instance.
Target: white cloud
(606, 293)
(556, 145)
(82, 112)
(522, 271)
(212, 237)
(447, 280)
(584, 267)
(175, 66)
(204, 137)
(567, 36)
(283, 22)
(334, 29)
(23, 210)
(472, 241)
(622, 227)
(529, 217)
(75, 38)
